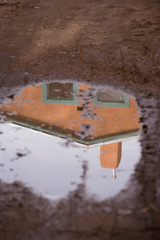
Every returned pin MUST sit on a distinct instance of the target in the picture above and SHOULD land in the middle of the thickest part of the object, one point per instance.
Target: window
(111, 98)
(60, 93)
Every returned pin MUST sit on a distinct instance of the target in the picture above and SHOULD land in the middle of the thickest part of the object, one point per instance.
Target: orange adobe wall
(110, 155)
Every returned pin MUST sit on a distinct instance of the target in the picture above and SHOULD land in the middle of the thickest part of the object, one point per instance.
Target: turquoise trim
(87, 143)
(108, 139)
(112, 104)
(52, 101)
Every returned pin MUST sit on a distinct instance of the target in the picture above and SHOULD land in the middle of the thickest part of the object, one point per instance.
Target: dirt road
(98, 40)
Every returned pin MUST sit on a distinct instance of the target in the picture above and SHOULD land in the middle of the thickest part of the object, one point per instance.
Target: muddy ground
(103, 42)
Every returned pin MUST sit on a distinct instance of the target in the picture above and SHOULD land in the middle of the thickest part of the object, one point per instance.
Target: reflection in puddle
(100, 128)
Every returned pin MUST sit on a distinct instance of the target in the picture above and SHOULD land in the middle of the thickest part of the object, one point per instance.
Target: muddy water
(51, 130)
(52, 169)
(71, 143)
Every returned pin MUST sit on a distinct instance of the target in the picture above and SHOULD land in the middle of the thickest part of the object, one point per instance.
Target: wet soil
(113, 43)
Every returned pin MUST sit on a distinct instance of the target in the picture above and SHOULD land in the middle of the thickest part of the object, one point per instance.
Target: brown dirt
(94, 40)
(108, 42)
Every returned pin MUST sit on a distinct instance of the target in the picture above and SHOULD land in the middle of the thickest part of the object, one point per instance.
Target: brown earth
(95, 40)
(115, 43)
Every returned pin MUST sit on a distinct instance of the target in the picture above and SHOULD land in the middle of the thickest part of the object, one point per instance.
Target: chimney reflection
(110, 156)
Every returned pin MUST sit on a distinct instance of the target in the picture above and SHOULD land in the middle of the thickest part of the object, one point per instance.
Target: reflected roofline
(78, 141)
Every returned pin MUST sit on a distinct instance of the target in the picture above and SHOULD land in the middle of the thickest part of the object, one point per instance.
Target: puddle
(51, 131)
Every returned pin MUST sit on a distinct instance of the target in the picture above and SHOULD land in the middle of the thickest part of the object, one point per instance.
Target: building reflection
(72, 110)
(110, 156)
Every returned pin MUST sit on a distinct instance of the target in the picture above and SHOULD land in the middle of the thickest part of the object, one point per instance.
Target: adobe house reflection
(57, 109)
(110, 156)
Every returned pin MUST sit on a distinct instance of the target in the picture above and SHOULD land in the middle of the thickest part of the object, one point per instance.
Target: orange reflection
(110, 156)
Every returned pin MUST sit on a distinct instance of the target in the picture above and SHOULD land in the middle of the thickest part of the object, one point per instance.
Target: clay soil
(105, 43)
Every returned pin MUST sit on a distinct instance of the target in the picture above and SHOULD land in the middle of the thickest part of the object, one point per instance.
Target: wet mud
(105, 44)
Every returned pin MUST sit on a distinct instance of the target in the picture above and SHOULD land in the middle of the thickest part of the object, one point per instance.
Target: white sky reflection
(51, 169)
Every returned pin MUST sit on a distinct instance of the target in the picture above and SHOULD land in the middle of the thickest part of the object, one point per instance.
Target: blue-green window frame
(55, 101)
